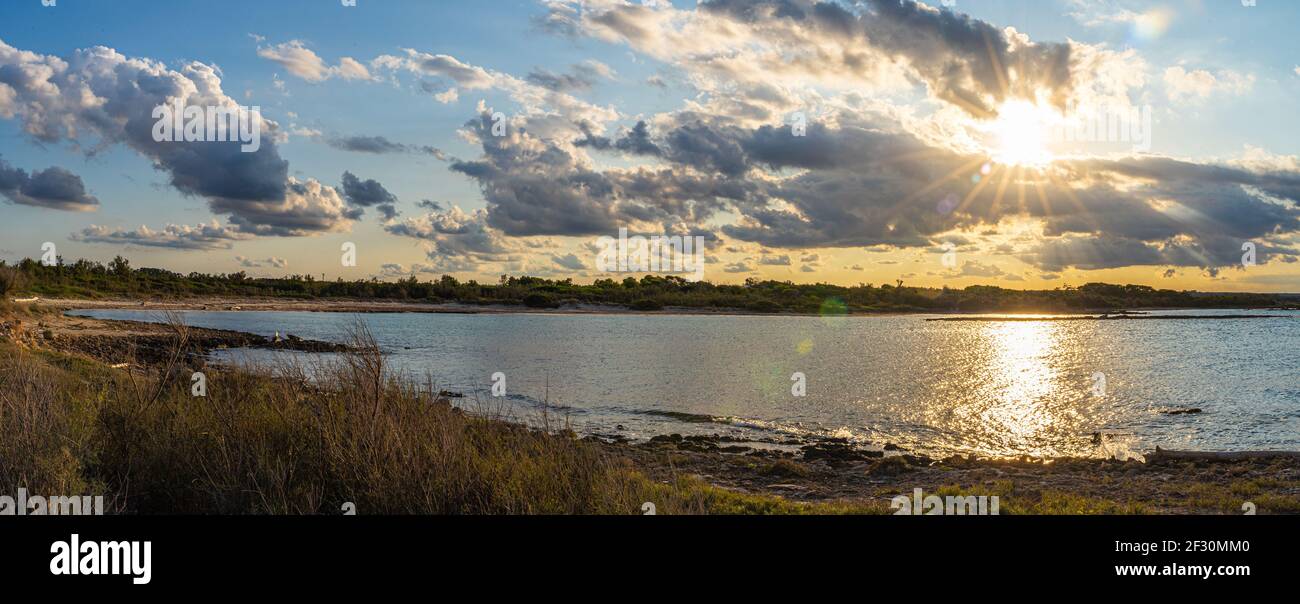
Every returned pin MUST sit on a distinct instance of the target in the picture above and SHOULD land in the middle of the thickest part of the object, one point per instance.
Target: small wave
(759, 425)
(691, 418)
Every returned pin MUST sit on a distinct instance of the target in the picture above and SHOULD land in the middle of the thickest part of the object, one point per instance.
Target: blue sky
(1219, 79)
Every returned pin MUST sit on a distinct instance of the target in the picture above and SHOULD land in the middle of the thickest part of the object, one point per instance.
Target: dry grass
(11, 279)
(305, 440)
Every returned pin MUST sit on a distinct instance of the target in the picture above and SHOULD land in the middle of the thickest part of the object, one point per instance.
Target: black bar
(236, 553)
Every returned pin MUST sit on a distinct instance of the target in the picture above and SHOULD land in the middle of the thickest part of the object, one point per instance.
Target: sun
(1019, 135)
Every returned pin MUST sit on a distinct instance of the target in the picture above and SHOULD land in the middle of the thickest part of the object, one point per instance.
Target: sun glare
(1019, 135)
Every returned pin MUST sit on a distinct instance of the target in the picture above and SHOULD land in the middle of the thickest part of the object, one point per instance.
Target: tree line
(92, 279)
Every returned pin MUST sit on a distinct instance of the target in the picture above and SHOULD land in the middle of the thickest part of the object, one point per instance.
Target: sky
(941, 144)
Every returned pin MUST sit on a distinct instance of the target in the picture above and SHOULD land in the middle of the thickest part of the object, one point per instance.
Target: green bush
(537, 300)
(647, 304)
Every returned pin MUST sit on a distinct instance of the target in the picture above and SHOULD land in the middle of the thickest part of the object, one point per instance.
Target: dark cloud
(635, 141)
(387, 211)
(378, 145)
(848, 181)
(569, 261)
(365, 193)
(580, 78)
(1109, 251)
(698, 144)
(54, 188)
(537, 186)
(963, 60)
(538, 192)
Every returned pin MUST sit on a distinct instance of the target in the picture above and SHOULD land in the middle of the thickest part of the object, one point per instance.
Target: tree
(120, 267)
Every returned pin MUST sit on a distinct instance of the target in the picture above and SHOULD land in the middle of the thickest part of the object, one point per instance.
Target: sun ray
(1002, 189)
(961, 170)
(979, 186)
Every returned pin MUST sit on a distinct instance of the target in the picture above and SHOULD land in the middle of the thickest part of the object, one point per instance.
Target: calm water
(994, 388)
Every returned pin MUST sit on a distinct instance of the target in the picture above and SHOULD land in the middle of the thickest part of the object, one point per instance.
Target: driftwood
(1168, 455)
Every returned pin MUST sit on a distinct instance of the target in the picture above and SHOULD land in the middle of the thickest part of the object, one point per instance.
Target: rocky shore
(127, 342)
(835, 470)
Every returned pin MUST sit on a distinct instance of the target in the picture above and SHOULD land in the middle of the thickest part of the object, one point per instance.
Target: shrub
(10, 280)
(647, 304)
(537, 300)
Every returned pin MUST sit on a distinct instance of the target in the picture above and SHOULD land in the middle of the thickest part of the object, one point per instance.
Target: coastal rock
(890, 466)
(837, 450)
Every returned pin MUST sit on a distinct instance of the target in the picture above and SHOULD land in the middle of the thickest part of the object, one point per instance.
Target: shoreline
(114, 341)
(815, 471)
(334, 305)
(1198, 485)
(105, 339)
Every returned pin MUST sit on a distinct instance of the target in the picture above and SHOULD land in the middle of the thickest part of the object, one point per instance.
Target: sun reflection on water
(1016, 408)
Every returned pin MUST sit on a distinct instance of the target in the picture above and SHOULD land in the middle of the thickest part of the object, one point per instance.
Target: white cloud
(1182, 85)
(304, 63)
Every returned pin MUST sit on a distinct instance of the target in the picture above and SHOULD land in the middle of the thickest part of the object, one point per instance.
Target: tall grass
(11, 279)
(300, 439)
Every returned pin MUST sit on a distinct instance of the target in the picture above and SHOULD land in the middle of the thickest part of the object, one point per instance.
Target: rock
(1181, 411)
(890, 466)
(785, 468)
(837, 450)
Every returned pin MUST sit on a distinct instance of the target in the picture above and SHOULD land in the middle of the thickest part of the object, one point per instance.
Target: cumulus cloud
(458, 241)
(202, 237)
(307, 207)
(537, 186)
(97, 97)
(54, 188)
(753, 42)
(546, 96)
